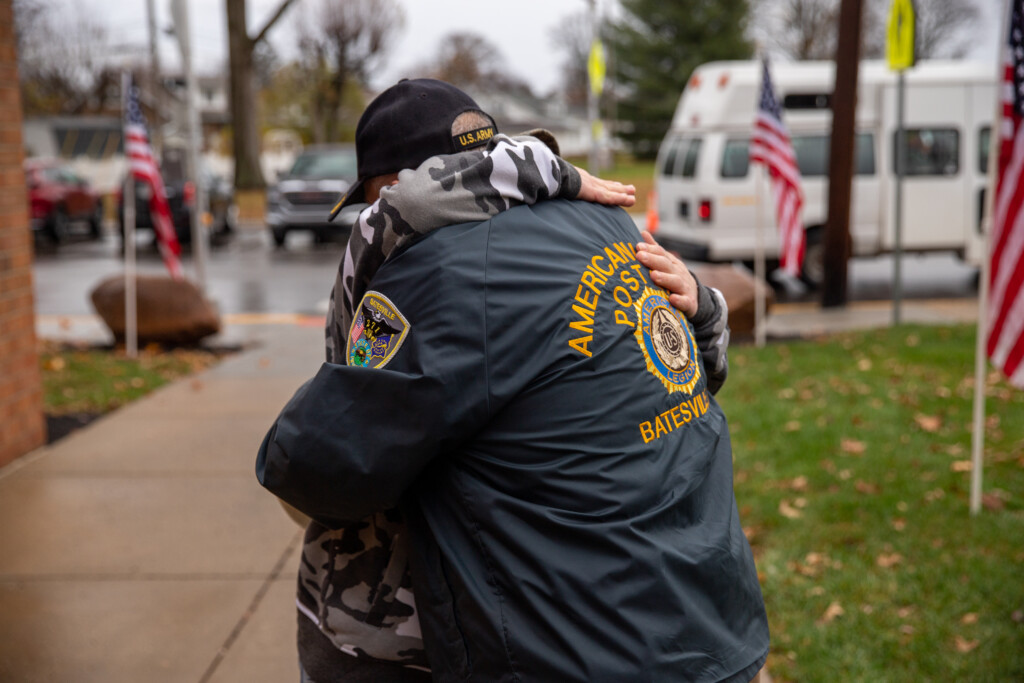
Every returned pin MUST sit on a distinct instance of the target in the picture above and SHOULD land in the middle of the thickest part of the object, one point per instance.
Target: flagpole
(981, 338)
(759, 267)
(131, 334)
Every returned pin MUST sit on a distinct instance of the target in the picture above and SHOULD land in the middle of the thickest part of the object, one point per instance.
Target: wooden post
(844, 112)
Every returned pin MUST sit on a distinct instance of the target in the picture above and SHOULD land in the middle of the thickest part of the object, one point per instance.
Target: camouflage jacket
(353, 582)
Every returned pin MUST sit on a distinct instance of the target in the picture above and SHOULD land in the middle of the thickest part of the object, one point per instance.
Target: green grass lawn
(94, 381)
(852, 459)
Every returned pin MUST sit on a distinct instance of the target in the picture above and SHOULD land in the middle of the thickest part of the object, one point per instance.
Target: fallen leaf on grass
(887, 560)
(834, 610)
(1018, 616)
(899, 524)
(992, 502)
(799, 484)
(792, 426)
(969, 618)
(934, 495)
(788, 511)
(907, 629)
(864, 365)
(852, 446)
(929, 423)
(866, 487)
(963, 645)
(961, 466)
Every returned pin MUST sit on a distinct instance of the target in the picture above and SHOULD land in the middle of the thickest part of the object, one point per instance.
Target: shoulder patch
(378, 330)
(666, 342)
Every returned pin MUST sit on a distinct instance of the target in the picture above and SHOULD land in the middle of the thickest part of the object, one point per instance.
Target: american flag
(1006, 274)
(143, 167)
(770, 145)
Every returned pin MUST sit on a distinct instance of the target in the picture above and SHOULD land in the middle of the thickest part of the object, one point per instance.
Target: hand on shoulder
(669, 272)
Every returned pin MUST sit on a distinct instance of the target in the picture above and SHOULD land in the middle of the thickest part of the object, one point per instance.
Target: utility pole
(179, 9)
(844, 112)
(595, 73)
(156, 130)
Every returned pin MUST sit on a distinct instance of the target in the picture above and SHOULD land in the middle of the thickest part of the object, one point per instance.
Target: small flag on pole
(770, 145)
(144, 167)
(1006, 272)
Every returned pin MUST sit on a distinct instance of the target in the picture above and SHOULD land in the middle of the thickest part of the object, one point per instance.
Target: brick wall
(21, 401)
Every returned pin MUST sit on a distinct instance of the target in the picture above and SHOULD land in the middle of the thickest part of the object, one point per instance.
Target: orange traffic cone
(652, 212)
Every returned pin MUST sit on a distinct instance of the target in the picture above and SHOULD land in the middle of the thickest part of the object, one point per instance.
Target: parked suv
(303, 197)
(181, 199)
(57, 198)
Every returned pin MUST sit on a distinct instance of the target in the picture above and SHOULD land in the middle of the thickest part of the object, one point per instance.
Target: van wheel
(812, 273)
(278, 236)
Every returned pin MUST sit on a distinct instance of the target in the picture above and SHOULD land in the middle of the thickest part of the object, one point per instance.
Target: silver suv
(304, 196)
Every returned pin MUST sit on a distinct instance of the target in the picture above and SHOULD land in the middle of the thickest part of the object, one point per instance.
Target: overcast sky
(520, 29)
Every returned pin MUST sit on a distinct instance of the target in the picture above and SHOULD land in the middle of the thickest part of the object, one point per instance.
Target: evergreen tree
(657, 45)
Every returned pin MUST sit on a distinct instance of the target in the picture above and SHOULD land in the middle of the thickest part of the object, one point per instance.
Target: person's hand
(594, 189)
(669, 272)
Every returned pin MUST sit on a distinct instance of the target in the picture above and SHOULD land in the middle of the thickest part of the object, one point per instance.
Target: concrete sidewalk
(141, 548)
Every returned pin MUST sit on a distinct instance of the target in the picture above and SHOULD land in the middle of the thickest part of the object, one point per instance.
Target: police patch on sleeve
(377, 332)
(666, 342)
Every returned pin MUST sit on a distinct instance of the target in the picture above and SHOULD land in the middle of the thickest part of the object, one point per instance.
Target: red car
(57, 198)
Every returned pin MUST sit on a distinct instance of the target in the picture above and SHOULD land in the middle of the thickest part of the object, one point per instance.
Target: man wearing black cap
(495, 441)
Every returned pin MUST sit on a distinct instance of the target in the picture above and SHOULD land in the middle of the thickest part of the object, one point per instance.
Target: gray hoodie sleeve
(711, 331)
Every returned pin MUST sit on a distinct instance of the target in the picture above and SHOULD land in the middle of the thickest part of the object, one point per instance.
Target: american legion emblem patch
(666, 342)
(377, 332)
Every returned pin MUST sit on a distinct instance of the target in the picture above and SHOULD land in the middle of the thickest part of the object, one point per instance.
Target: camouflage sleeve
(444, 190)
(711, 330)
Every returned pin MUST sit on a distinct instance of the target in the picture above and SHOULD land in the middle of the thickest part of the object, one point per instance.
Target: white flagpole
(131, 335)
(981, 338)
(759, 267)
(759, 276)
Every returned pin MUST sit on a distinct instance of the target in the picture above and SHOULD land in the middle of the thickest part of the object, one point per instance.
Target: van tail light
(704, 210)
(189, 194)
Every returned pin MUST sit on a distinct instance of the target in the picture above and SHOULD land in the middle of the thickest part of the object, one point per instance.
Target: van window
(813, 152)
(983, 148)
(670, 158)
(930, 152)
(690, 161)
(736, 158)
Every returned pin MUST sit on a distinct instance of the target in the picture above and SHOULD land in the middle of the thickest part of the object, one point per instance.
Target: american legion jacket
(542, 413)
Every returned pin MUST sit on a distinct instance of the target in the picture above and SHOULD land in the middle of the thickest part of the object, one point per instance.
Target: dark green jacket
(543, 414)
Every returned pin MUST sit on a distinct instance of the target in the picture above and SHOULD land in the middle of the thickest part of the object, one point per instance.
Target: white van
(707, 190)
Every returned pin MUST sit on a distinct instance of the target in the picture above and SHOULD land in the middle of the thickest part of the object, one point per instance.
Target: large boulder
(168, 311)
(737, 285)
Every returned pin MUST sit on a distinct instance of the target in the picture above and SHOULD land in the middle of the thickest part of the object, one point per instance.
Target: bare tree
(470, 61)
(572, 39)
(69, 75)
(245, 129)
(343, 42)
(467, 60)
(806, 29)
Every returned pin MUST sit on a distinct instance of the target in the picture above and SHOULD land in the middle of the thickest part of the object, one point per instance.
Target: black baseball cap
(407, 124)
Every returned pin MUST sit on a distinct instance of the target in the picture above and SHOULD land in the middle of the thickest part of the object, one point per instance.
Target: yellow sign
(596, 67)
(899, 40)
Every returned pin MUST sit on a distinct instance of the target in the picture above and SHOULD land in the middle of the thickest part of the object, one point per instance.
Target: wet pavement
(248, 275)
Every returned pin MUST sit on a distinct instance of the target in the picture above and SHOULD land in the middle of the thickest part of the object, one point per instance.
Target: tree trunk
(245, 129)
(840, 173)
